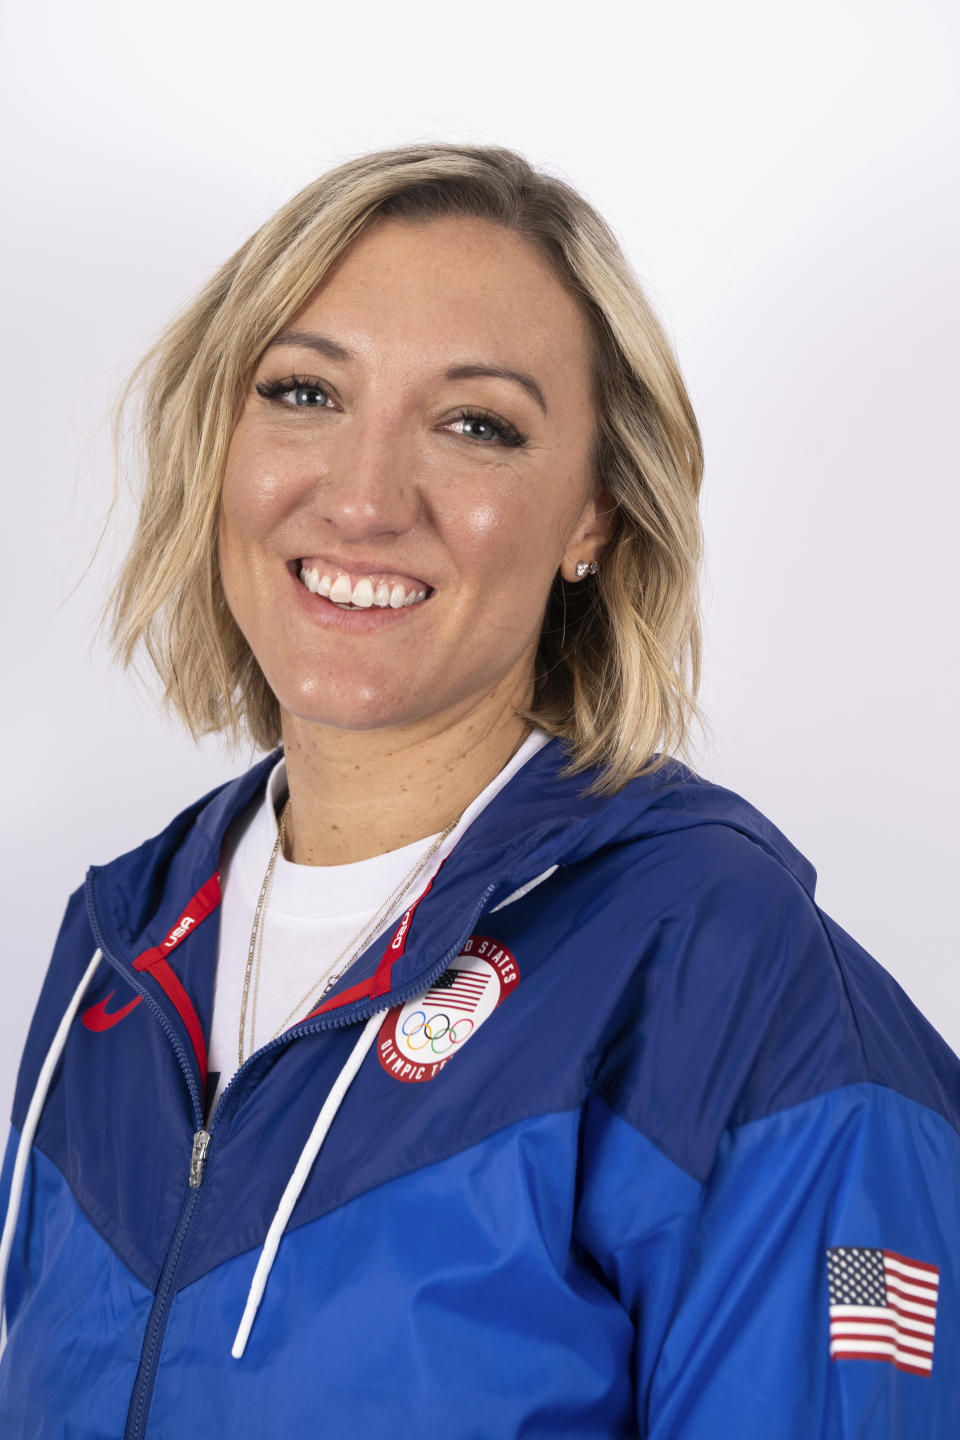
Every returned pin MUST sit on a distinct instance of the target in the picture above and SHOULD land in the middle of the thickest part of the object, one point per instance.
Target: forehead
(438, 290)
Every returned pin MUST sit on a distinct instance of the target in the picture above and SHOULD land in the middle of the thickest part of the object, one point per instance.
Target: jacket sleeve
(728, 1283)
(803, 1284)
(72, 952)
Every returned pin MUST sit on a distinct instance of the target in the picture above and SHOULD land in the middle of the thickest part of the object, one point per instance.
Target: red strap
(379, 982)
(203, 903)
(361, 991)
(167, 980)
(155, 960)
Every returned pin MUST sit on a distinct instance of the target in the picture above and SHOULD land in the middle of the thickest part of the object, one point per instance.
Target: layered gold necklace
(355, 947)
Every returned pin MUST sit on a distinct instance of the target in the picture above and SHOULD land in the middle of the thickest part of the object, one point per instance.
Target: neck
(357, 793)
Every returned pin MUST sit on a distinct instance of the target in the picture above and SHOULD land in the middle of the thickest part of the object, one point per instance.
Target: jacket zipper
(159, 1313)
(201, 1144)
(143, 1386)
(132, 978)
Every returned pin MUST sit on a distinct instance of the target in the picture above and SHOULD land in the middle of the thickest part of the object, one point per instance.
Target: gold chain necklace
(329, 977)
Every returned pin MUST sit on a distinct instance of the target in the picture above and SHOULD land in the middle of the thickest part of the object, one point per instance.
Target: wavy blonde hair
(619, 658)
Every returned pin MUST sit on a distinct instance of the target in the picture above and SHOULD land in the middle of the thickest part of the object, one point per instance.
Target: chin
(345, 706)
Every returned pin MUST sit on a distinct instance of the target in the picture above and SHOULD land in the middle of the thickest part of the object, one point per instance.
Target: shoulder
(133, 900)
(740, 998)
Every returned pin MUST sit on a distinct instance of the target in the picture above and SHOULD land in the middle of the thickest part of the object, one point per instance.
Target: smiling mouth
(359, 591)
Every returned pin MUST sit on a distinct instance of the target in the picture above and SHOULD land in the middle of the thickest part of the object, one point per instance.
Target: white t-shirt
(312, 913)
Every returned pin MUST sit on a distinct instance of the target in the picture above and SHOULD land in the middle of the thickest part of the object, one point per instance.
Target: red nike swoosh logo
(98, 1017)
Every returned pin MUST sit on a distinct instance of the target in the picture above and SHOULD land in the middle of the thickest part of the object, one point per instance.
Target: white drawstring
(525, 889)
(310, 1151)
(287, 1201)
(29, 1131)
(298, 1179)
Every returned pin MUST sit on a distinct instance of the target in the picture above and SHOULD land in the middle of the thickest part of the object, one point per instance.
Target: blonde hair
(619, 659)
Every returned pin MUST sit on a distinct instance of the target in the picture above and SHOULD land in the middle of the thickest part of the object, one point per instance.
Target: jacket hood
(539, 819)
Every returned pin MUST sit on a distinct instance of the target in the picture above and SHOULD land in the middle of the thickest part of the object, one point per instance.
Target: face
(438, 504)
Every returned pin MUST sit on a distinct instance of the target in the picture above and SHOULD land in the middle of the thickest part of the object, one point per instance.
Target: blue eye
(507, 434)
(296, 392)
(276, 389)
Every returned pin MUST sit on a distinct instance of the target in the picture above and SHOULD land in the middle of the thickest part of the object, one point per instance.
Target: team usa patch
(416, 1040)
(883, 1306)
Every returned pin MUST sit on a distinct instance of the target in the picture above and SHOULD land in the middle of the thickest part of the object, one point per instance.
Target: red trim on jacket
(379, 982)
(155, 960)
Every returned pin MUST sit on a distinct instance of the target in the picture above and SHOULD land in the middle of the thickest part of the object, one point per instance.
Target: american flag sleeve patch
(883, 1306)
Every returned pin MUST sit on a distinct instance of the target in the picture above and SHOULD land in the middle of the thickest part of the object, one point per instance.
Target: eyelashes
(277, 390)
(509, 434)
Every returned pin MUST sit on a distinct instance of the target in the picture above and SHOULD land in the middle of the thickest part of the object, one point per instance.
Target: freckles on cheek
(498, 534)
(252, 498)
(484, 535)
(481, 521)
(488, 531)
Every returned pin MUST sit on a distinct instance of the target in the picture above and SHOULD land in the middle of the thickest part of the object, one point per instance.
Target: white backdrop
(783, 180)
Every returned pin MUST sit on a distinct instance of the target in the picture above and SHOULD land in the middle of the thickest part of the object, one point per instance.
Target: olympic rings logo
(419, 1023)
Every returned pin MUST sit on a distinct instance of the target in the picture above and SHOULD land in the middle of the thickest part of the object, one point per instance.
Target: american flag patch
(883, 1306)
(457, 990)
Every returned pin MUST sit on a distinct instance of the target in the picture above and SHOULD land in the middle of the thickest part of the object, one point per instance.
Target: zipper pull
(201, 1144)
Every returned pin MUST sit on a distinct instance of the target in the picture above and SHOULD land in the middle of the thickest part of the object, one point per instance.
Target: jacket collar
(541, 818)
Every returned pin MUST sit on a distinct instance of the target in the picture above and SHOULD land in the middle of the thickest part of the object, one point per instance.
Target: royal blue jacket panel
(639, 1142)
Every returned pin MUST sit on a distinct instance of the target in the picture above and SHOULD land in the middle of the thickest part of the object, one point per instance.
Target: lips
(361, 619)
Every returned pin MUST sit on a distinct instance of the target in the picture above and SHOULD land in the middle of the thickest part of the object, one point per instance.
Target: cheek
(488, 522)
(260, 478)
(249, 505)
(253, 500)
(506, 559)
(481, 524)
(255, 497)
(513, 541)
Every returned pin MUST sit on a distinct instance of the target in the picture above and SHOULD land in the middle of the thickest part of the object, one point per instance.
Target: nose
(368, 488)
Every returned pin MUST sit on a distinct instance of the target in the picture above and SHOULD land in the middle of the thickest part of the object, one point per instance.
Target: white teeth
(363, 593)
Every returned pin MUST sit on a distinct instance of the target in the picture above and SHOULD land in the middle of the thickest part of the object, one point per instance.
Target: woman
(496, 1072)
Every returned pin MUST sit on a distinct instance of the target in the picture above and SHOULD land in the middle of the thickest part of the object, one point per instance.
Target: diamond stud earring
(583, 568)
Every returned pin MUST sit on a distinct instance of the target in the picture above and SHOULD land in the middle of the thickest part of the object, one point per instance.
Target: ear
(591, 535)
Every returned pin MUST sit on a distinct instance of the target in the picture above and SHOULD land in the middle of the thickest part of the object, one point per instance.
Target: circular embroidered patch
(416, 1040)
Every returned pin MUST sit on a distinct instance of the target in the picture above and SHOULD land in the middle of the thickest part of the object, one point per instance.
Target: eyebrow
(333, 350)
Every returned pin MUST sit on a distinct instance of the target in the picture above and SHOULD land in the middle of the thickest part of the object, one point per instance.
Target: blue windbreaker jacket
(615, 1134)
